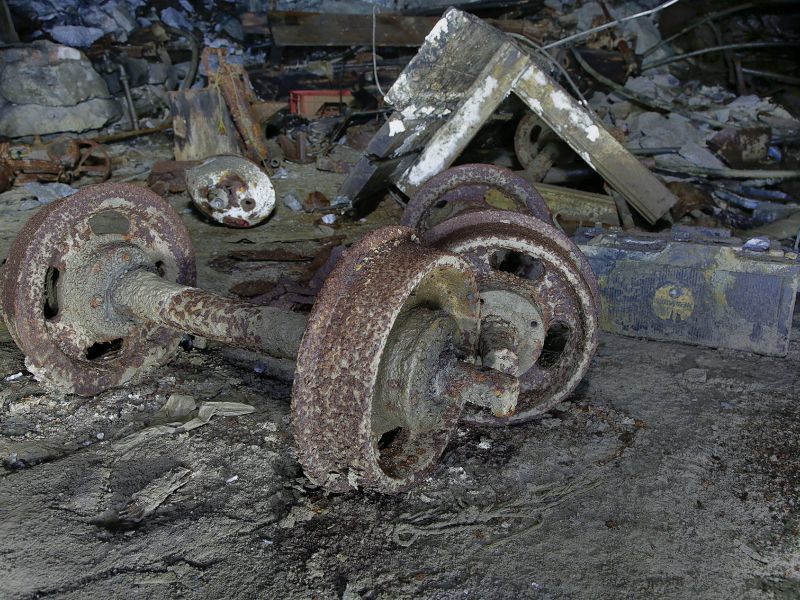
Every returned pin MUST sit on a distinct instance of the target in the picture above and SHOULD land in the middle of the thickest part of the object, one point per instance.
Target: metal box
(699, 286)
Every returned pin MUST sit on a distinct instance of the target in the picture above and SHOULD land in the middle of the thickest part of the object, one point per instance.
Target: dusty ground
(672, 472)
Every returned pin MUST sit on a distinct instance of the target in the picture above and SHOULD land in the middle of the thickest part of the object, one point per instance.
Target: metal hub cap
(539, 313)
(60, 270)
(231, 190)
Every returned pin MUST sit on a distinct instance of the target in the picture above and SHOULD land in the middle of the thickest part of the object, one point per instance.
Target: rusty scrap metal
(694, 285)
(62, 160)
(470, 188)
(539, 305)
(94, 293)
(53, 300)
(234, 84)
(231, 190)
(394, 418)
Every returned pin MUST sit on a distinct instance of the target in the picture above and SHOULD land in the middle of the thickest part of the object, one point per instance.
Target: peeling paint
(396, 126)
(469, 114)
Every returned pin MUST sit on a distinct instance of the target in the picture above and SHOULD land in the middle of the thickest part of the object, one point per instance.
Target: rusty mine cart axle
(98, 288)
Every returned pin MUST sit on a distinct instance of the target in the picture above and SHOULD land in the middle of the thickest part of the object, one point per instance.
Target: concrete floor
(672, 472)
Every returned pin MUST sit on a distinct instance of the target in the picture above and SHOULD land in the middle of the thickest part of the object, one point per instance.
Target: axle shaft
(144, 296)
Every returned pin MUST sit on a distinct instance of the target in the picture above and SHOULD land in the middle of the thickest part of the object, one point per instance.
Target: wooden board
(202, 125)
(318, 29)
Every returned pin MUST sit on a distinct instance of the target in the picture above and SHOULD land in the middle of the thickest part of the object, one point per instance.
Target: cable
(555, 63)
(695, 24)
(581, 34)
(749, 45)
(374, 56)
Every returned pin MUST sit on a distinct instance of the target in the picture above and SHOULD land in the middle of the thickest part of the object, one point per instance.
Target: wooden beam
(318, 29)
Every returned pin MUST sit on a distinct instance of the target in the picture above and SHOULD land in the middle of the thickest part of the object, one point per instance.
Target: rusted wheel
(378, 386)
(469, 188)
(55, 283)
(531, 136)
(540, 305)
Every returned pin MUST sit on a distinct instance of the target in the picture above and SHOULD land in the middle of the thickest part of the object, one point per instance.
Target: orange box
(308, 102)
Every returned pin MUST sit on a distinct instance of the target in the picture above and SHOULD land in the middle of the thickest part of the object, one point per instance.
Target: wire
(695, 24)
(374, 56)
(749, 45)
(732, 173)
(581, 34)
(643, 100)
(552, 60)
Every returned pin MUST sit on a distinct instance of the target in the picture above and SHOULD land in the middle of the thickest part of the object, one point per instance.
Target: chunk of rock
(48, 88)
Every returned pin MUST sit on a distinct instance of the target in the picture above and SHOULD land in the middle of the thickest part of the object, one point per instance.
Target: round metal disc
(524, 262)
(231, 190)
(349, 426)
(469, 188)
(531, 136)
(65, 326)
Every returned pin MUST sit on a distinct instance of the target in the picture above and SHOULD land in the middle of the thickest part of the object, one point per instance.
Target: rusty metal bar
(143, 295)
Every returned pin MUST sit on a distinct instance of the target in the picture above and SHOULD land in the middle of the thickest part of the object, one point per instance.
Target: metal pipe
(145, 296)
(123, 77)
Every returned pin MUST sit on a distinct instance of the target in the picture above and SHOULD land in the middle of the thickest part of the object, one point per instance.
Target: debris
(208, 410)
(178, 406)
(741, 148)
(477, 76)
(202, 125)
(331, 29)
(62, 160)
(169, 176)
(48, 192)
(232, 81)
(310, 103)
(231, 190)
(146, 501)
(696, 286)
(291, 200)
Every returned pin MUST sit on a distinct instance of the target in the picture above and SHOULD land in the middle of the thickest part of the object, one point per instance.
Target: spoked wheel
(56, 280)
(469, 188)
(380, 380)
(530, 138)
(539, 305)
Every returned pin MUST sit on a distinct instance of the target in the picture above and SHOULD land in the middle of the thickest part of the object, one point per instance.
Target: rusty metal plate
(469, 188)
(231, 190)
(347, 430)
(523, 262)
(49, 302)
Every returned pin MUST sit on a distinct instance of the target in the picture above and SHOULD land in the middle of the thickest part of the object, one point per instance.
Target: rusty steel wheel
(468, 188)
(531, 136)
(377, 388)
(54, 285)
(539, 305)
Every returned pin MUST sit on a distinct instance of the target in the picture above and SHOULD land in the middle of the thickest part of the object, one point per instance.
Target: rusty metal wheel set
(539, 297)
(492, 319)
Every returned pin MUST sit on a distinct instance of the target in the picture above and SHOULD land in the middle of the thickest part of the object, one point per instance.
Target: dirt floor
(672, 472)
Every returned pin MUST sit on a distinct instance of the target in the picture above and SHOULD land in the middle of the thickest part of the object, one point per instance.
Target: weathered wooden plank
(320, 29)
(587, 136)
(202, 125)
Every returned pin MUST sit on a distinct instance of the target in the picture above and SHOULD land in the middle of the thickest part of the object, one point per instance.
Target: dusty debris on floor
(380, 299)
